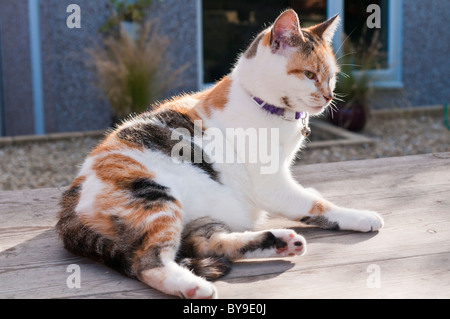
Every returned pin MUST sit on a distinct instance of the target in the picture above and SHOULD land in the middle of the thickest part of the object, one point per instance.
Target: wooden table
(409, 258)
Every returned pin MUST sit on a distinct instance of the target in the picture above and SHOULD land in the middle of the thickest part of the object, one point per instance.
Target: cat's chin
(316, 110)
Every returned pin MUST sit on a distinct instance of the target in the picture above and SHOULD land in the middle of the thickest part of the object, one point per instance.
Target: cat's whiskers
(343, 42)
(344, 55)
(345, 75)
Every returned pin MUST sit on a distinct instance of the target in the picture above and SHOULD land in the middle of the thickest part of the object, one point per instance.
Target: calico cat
(175, 224)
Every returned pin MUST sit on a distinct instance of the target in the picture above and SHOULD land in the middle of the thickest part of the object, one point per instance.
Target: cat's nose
(328, 98)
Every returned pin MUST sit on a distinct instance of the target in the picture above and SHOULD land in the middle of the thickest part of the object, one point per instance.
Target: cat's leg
(206, 237)
(174, 279)
(154, 260)
(281, 194)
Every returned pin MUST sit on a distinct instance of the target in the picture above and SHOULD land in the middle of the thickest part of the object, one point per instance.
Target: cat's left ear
(286, 32)
(326, 29)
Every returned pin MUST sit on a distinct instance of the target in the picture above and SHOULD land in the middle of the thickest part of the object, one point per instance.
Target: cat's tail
(210, 268)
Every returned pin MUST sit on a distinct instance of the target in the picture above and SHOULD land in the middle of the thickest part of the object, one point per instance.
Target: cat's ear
(286, 31)
(326, 29)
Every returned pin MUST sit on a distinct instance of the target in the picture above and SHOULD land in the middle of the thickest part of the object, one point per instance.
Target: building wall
(72, 101)
(426, 47)
(178, 20)
(16, 68)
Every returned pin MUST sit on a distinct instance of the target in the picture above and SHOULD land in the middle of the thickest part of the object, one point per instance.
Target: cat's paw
(200, 290)
(361, 220)
(288, 243)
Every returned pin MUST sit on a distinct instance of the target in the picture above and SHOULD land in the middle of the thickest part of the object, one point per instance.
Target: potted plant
(134, 73)
(126, 15)
(354, 85)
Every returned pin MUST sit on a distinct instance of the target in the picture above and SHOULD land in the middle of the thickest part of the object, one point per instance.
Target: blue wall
(426, 49)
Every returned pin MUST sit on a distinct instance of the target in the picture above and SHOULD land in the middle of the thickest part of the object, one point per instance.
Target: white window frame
(386, 78)
(392, 76)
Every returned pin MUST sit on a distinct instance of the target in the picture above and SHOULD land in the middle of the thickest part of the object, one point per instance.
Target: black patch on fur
(320, 221)
(158, 137)
(308, 45)
(253, 49)
(203, 227)
(211, 268)
(286, 102)
(267, 240)
(150, 191)
(176, 120)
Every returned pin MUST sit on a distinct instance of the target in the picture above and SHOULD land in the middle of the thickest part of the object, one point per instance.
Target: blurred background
(68, 73)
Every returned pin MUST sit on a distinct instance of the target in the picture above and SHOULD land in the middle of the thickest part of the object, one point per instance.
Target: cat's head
(290, 67)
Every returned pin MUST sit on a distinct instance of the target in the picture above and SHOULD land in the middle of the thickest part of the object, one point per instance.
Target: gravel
(55, 164)
(393, 137)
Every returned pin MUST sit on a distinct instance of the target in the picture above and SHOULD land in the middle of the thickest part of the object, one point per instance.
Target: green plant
(354, 83)
(134, 74)
(125, 10)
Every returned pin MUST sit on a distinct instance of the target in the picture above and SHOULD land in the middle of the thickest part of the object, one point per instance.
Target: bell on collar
(306, 131)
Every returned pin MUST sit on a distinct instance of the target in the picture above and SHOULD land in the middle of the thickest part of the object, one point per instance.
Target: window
(361, 38)
(382, 46)
(229, 27)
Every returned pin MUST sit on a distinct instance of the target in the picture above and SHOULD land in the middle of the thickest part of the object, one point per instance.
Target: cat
(176, 225)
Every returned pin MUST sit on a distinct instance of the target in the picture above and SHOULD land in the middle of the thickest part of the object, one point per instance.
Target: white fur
(265, 76)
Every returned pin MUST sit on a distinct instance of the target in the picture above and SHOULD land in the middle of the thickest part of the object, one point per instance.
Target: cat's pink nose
(328, 98)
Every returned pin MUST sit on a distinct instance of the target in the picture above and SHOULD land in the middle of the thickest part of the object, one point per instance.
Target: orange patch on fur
(316, 62)
(112, 144)
(217, 97)
(102, 223)
(161, 230)
(120, 169)
(265, 41)
(319, 208)
(78, 181)
(295, 71)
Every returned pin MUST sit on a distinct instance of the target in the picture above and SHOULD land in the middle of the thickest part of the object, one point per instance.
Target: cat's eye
(310, 75)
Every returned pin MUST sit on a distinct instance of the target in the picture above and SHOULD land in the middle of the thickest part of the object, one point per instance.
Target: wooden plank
(425, 276)
(412, 251)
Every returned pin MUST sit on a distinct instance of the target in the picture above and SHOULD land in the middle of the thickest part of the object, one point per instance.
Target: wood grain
(412, 252)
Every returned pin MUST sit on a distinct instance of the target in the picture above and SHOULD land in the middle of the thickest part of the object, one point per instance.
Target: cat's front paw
(361, 220)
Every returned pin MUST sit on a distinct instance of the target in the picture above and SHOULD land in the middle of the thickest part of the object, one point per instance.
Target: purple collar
(286, 114)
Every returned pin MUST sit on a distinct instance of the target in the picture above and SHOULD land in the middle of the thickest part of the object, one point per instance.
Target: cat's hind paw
(288, 243)
(275, 243)
(202, 290)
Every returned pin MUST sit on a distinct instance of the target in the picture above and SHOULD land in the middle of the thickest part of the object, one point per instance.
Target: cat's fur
(158, 220)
